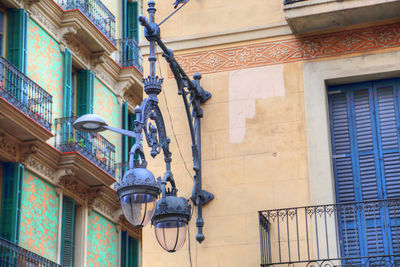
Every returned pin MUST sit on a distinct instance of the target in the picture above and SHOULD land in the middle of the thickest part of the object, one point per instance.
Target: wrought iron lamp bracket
(193, 95)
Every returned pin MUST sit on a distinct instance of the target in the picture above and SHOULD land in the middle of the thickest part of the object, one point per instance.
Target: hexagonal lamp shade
(138, 192)
(170, 221)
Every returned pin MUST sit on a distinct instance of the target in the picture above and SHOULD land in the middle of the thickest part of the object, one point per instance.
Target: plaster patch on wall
(247, 85)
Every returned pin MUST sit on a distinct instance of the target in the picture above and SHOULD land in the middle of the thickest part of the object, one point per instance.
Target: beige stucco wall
(208, 17)
(254, 158)
(265, 138)
(116, 9)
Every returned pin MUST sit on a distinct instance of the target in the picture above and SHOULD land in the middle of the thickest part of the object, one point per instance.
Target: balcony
(129, 54)
(12, 255)
(92, 146)
(305, 16)
(349, 234)
(96, 12)
(24, 94)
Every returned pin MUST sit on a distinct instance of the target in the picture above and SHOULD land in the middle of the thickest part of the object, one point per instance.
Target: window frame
(3, 26)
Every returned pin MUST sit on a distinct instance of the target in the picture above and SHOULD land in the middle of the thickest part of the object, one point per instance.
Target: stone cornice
(290, 50)
(20, 125)
(9, 150)
(41, 159)
(48, 163)
(87, 31)
(121, 80)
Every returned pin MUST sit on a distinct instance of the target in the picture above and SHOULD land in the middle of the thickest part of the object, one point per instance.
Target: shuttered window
(68, 231)
(125, 146)
(11, 201)
(16, 44)
(128, 124)
(85, 92)
(130, 19)
(1, 33)
(68, 85)
(365, 123)
(129, 250)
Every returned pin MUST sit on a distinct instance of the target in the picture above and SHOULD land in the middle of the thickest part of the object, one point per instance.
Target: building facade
(59, 60)
(300, 140)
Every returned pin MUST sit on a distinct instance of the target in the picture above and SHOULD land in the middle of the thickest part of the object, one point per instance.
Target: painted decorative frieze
(291, 50)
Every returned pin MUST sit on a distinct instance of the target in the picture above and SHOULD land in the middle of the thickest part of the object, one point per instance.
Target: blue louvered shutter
(68, 231)
(388, 122)
(340, 110)
(364, 125)
(11, 201)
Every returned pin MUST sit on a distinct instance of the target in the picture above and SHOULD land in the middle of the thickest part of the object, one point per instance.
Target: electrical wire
(186, 167)
(172, 125)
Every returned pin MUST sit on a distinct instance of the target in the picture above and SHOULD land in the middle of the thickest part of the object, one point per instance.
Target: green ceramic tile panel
(102, 242)
(39, 217)
(106, 105)
(44, 64)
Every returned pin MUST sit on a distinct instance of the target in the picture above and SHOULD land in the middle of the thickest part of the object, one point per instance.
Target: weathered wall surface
(254, 157)
(254, 131)
(102, 243)
(210, 17)
(39, 217)
(44, 64)
(108, 107)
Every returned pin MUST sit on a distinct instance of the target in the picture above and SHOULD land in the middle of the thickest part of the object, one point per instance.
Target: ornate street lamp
(138, 189)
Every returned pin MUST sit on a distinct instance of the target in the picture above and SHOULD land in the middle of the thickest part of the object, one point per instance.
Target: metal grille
(92, 145)
(129, 53)
(96, 11)
(25, 94)
(313, 236)
(12, 255)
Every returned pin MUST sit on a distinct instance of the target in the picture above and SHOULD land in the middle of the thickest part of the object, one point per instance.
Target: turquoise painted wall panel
(39, 217)
(44, 64)
(102, 241)
(106, 105)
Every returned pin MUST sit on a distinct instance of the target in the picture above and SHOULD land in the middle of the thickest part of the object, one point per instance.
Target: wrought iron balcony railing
(129, 53)
(97, 12)
(92, 145)
(25, 94)
(287, 2)
(12, 255)
(349, 234)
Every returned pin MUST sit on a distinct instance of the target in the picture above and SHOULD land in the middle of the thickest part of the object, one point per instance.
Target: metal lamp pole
(192, 94)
